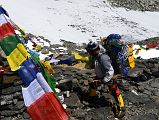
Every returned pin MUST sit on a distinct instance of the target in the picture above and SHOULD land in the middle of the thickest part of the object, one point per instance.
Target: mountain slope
(78, 21)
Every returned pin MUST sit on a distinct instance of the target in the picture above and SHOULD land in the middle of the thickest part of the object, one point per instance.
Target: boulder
(135, 72)
(144, 117)
(73, 101)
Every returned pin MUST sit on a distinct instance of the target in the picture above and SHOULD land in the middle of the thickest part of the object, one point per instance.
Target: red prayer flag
(6, 30)
(47, 107)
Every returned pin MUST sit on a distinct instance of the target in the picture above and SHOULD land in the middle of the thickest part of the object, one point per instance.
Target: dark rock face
(141, 5)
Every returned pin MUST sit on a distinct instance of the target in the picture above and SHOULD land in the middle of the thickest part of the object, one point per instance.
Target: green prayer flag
(49, 78)
(9, 43)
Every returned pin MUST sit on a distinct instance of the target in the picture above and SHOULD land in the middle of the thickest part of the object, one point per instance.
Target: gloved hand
(95, 83)
(116, 76)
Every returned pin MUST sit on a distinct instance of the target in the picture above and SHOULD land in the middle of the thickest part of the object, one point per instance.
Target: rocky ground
(140, 90)
(150, 40)
(141, 5)
(11, 100)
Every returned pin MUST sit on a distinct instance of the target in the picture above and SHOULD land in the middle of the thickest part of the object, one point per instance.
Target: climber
(102, 64)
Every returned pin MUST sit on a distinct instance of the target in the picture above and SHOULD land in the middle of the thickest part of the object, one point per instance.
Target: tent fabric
(6, 29)
(9, 43)
(47, 107)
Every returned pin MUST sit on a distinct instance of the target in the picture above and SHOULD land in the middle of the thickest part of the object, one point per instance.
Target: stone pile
(11, 100)
(140, 90)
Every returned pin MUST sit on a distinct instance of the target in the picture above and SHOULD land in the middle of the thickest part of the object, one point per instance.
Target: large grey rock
(18, 106)
(65, 86)
(155, 83)
(25, 115)
(102, 113)
(6, 99)
(18, 88)
(6, 118)
(8, 112)
(155, 73)
(144, 117)
(18, 82)
(73, 101)
(137, 99)
(67, 73)
(135, 72)
(11, 90)
(8, 79)
(78, 113)
(156, 93)
(3, 102)
(140, 89)
(18, 95)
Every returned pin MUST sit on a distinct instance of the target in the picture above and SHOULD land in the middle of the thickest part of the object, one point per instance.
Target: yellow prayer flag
(131, 56)
(47, 66)
(38, 47)
(79, 57)
(23, 50)
(15, 59)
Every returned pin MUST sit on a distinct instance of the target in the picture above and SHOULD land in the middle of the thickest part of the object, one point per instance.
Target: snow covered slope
(79, 20)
